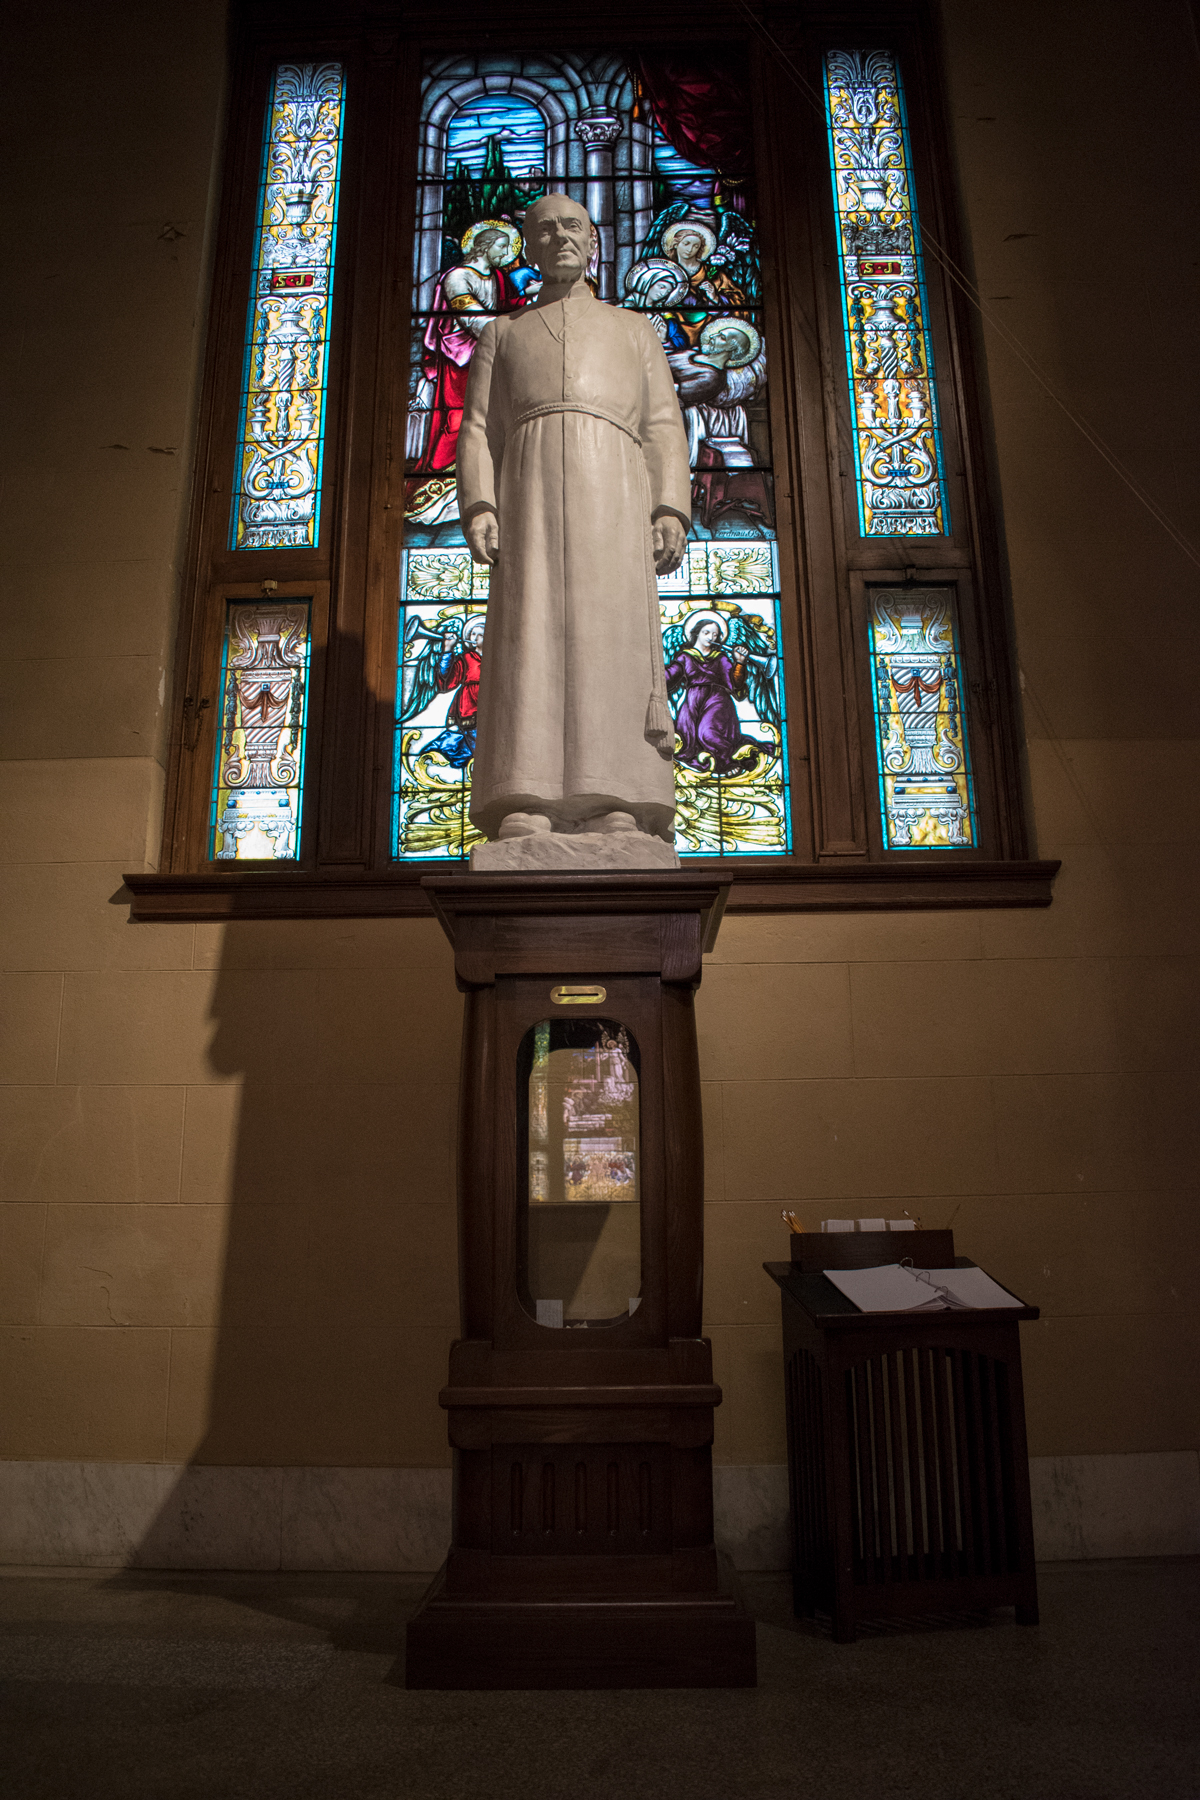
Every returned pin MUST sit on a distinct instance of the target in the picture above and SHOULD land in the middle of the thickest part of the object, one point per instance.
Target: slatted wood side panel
(581, 1499)
(811, 1552)
(931, 1475)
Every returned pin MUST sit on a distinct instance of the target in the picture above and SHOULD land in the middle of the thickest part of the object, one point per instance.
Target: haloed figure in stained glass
(466, 297)
(690, 243)
(715, 381)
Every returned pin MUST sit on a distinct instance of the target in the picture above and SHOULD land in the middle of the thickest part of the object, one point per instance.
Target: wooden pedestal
(582, 1552)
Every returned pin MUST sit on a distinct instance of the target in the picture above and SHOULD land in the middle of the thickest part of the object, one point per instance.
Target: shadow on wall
(308, 1413)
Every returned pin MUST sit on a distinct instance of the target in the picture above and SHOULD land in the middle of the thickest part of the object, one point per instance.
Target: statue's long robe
(572, 433)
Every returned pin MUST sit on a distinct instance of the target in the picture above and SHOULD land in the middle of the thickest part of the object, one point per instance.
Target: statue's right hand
(483, 536)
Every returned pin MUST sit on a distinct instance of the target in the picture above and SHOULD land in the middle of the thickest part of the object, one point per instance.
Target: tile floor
(290, 1687)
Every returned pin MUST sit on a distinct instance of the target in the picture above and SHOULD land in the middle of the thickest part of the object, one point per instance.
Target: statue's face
(558, 238)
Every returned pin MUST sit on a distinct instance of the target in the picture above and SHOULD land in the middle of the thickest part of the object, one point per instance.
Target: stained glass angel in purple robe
(717, 659)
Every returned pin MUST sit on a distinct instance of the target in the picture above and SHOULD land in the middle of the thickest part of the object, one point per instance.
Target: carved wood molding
(858, 886)
(635, 1394)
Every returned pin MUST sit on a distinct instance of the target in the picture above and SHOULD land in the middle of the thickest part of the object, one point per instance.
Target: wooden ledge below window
(849, 886)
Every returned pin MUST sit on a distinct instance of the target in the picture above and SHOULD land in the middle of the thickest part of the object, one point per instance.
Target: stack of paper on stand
(896, 1288)
(866, 1224)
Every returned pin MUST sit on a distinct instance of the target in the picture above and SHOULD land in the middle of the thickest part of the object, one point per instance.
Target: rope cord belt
(574, 406)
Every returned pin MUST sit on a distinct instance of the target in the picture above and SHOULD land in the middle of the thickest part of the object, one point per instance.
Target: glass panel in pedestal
(579, 1260)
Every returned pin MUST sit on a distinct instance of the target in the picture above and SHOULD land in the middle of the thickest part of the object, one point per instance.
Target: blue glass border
(215, 785)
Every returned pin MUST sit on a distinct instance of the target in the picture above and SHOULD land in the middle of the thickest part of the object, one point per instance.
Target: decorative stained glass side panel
(277, 480)
(897, 442)
(926, 794)
(259, 778)
(659, 150)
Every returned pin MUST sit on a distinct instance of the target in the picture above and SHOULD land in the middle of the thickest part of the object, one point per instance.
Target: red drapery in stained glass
(701, 105)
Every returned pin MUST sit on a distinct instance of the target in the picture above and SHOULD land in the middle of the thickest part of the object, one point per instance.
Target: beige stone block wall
(226, 1154)
(1030, 1078)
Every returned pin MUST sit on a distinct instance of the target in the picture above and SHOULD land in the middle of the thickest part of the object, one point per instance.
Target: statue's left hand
(669, 540)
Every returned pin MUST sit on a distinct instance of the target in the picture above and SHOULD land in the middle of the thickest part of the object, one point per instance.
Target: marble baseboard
(1145, 1504)
(1084, 1507)
(171, 1516)
(750, 1514)
(365, 1519)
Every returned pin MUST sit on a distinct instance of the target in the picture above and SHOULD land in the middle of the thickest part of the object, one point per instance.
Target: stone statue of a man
(573, 482)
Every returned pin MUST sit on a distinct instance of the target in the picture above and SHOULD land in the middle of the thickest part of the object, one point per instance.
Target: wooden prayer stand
(582, 1551)
(907, 1459)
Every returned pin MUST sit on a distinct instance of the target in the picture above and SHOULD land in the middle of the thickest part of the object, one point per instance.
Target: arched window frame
(828, 570)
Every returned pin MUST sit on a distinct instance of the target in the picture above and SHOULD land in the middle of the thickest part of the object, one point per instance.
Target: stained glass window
(277, 481)
(260, 747)
(897, 443)
(925, 790)
(657, 148)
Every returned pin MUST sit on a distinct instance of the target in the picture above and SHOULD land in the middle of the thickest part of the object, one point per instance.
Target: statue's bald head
(558, 238)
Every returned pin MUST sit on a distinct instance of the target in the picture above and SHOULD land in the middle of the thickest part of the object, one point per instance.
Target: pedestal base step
(672, 1641)
(574, 850)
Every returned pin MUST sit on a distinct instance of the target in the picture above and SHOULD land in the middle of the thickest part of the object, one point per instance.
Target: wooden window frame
(839, 861)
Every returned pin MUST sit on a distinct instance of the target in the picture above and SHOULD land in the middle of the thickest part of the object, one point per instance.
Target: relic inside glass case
(579, 1217)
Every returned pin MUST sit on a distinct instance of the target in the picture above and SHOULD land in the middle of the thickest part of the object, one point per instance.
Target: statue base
(670, 1638)
(582, 1552)
(574, 851)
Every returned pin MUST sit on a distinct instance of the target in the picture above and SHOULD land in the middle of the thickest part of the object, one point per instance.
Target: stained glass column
(889, 357)
(277, 481)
